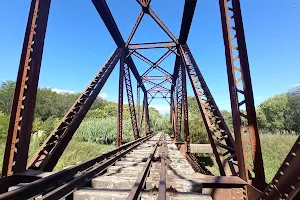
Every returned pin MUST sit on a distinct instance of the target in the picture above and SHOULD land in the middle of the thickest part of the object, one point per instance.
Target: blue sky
(77, 43)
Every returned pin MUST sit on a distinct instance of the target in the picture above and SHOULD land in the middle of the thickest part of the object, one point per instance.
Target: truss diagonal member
(22, 113)
(131, 101)
(187, 18)
(137, 23)
(163, 57)
(241, 94)
(49, 153)
(105, 14)
(286, 184)
(162, 25)
(157, 85)
(212, 118)
(144, 3)
(143, 58)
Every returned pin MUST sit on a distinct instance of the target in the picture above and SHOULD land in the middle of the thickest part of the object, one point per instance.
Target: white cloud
(103, 95)
(62, 91)
(161, 108)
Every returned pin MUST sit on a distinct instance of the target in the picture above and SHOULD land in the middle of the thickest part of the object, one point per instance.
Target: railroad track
(148, 168)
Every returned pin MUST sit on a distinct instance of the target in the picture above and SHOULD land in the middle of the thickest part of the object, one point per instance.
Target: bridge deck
(120, 179)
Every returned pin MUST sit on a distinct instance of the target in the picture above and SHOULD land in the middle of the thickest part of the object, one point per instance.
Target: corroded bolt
(293, 187)
(281, 173)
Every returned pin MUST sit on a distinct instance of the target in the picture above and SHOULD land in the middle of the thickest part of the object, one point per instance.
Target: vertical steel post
(120, 104)
(138, 91)
(19, 132)
(131, 101)
(185, 110)
(241, 94)
(147, 118)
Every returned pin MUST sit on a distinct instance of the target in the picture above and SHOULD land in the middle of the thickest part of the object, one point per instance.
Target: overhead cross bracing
(238, 155)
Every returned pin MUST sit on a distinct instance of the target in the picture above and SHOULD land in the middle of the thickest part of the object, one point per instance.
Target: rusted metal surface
(120, 103)
(131, 101)
(51, 150)
(21, 118)
(286, 182)
(138, 99)
(151, 45)
(241, 95)
(105, 14)
(187, 18)
(191, 158)
(178, 93)
(147, 118)
(220, 138)
(61, 183)
(137, 23)
(163, 171)
(141, 181)
(186, 129)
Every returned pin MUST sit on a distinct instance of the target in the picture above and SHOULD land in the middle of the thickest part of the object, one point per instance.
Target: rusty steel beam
(147, 118)
(220, 138)
(151, 45)
(146, 78)
(58, 185)
(187, 18)
(138, 186)
(161, 24)
(138, 98)
(137, 23)
(21, 118)
(241, 94)
(162, 188)
(144, 3)
(186, 129)
(120, 103)
(51, 150)
(178, 93)
(104, 12)
(131, 101)
(286, 182)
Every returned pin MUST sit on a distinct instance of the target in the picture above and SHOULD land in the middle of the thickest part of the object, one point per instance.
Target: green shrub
(4, 120)
(103, 131)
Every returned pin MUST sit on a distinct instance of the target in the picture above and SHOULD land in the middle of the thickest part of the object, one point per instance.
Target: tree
(6, 96)
(4, 119)
(272, 113)
(293, 120)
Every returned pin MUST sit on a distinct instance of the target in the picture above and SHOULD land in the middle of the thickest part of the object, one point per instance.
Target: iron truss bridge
(154, 165)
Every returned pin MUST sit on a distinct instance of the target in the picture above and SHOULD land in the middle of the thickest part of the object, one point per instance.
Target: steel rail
(56, 180)
(163, 171)
(140, 182)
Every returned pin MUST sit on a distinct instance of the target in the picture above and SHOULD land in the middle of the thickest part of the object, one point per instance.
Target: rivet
(293, 187)
(285, 194)
(272, 186)
(293, 154)
(287, 164)
(281, 173)
(275, 180)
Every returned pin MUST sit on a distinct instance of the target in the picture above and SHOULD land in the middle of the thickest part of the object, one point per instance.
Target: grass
(275, 148)
(75, 152)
